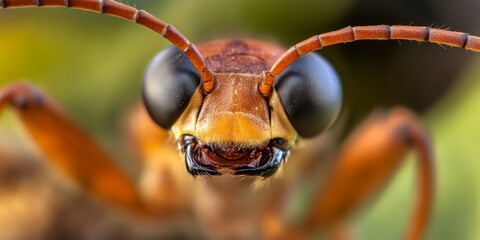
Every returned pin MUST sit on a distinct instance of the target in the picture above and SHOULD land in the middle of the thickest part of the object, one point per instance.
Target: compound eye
(168, 84)
(311, 94)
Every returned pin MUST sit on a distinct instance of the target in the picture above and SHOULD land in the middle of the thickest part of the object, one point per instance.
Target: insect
(254, 143)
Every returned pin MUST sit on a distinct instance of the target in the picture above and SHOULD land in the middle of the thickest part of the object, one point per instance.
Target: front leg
(364, 165)
(69, 148)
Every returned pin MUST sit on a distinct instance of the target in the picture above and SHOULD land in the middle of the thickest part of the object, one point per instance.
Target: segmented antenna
(116, 9)
(376, 32)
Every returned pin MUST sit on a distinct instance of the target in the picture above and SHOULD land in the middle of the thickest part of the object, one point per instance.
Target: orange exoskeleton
(239, 108)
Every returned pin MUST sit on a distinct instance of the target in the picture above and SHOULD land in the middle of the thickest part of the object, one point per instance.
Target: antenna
(116, 9)
(376, 32)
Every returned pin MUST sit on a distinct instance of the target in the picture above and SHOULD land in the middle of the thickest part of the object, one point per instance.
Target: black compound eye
(168, 84)
(311, 94)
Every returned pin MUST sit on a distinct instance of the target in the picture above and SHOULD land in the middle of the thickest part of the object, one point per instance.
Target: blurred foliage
(93, 64)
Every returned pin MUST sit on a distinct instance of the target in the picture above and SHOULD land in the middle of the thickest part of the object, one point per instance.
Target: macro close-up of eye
(311, 94)
(168, 84)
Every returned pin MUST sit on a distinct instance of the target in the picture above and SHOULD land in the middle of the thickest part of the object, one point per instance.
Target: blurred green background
(92, 64)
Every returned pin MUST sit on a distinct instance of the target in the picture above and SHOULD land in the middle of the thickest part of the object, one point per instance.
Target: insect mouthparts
(204, 159)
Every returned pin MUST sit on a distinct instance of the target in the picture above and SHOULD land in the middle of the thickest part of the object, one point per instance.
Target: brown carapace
(237, 107)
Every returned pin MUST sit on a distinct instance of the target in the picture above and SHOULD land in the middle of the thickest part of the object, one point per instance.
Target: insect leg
(69, 148)
(165, 184)
(364, 165)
